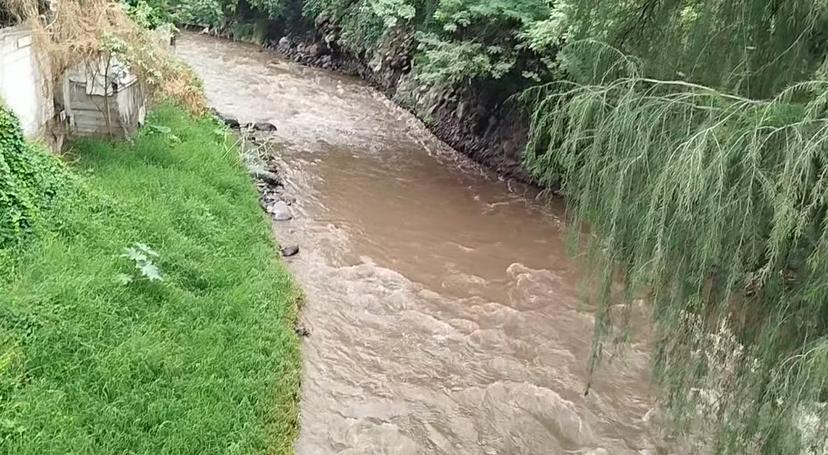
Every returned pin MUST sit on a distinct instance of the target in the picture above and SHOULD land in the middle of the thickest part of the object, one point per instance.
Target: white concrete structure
(25, 80)
(103, 98)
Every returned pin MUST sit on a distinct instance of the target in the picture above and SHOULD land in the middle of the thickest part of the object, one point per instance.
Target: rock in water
(229, 121)
(301, 330)
(284, 43)
(290, 250)
(265, 176)
(289, 200)
(280, 211)
(264, 126)
(232, 122)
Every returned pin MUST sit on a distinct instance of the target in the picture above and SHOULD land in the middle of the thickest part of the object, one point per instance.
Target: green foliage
(712, 208)
(752, 47)
(30, 180)
(691, 137)
(219, 14)
(205, 13)
(271, 8)
(457, 40)
(452, 63)
(545, 36)
(364, 23)
(489, 18)
(149, 15)
(142, 257)
(16, 207)
(476, 39)
(392, 12)
(207, 362)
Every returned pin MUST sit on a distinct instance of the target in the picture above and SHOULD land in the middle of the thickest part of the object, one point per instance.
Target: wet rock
(461, 110)
(287, 199)
(264, 126)
(280, 211)
(284, 43)
(313, 50)
(301, 330)
(326, 61)
(265, 176)
(230, 121)
(290, 250)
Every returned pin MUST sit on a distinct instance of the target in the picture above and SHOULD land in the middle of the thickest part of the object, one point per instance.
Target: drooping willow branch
(714, 208)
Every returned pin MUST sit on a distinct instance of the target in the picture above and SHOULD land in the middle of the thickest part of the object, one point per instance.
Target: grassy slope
(203, 362)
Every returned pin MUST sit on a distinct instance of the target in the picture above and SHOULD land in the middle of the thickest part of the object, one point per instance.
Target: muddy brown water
(443, 310)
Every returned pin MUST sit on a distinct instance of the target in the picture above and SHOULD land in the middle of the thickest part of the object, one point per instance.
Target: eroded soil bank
(442, 311)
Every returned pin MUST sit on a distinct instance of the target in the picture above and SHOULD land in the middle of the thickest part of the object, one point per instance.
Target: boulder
(313, 50)
(288, 199)
(326, 61)
(290, 250)
(280, 211)
(284, 43)
(264, 126)
(230, 121)
(265, 176)
(301, 330)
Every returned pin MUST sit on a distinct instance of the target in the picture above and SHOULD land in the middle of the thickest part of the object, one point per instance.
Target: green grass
(204, 362)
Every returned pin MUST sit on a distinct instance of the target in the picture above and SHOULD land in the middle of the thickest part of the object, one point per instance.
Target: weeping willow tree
(706, 195)
(752, 47)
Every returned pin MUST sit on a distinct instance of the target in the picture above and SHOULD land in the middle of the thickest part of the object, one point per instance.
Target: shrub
(29, 179)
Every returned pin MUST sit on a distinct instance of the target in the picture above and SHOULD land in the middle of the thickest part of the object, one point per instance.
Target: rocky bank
(479, 120)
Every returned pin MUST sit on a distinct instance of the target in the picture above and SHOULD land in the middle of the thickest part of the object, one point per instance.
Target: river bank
(480, 120)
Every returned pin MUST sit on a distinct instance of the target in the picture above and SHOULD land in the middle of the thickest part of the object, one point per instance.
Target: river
(443, 311)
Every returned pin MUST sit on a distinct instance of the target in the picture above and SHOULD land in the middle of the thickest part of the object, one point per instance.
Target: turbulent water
(443, 311)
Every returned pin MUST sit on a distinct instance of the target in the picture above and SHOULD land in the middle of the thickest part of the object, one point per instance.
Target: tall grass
(714, 209)
(205, 361)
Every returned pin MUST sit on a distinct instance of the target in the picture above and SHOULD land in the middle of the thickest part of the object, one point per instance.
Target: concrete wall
(25, 80)
(120, 114)
(102, 98)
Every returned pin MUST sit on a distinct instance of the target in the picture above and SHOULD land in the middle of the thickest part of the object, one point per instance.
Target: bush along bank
(147, 312)
(31, 181)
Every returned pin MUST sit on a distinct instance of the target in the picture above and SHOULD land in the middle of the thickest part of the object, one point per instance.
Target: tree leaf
(151, 272)
(146, 249)
(134, 254)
